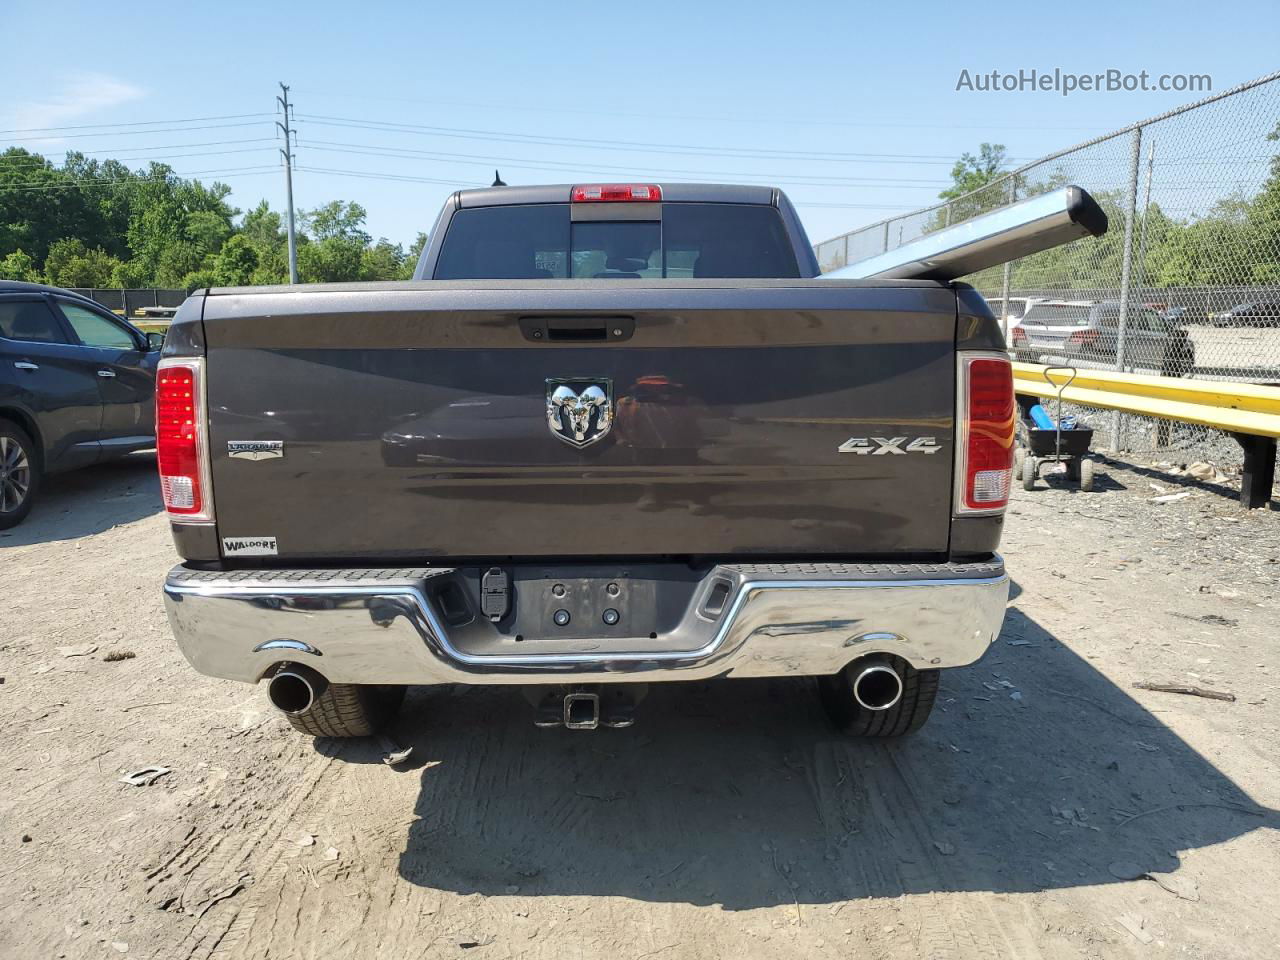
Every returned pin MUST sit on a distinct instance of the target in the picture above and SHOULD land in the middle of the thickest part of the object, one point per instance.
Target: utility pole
(287, 153)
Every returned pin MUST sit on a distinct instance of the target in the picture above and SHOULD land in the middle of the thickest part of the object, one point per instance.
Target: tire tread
(349, 710)
(919, 690)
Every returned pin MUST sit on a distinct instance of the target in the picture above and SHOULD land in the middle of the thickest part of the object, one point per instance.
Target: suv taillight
(181, 447)
(1018, 335)
(1085, 338)
(984, 452)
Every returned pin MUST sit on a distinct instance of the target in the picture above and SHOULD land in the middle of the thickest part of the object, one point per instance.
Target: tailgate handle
(577, 329)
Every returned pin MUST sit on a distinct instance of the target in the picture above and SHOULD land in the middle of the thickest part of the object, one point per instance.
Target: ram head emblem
(580, 412)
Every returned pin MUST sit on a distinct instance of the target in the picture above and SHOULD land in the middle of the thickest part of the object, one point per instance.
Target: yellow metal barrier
(1248, 411)
(1234, 407)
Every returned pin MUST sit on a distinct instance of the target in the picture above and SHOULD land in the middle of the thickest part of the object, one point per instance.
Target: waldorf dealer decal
(248, 546)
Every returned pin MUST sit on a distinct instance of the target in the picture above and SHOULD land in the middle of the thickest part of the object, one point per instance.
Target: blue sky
(658, 91)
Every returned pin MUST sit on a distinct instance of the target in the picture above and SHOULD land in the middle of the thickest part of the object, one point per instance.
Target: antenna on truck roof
(497, 180)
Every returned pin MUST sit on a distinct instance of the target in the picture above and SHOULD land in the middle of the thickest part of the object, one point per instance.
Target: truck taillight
(617, 192)
(984, 451)
(181, 445)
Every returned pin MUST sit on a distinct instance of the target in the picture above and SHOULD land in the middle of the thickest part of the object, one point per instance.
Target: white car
(1010, 318)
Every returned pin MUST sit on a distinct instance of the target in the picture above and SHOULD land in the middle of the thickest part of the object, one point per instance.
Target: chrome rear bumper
(382, 627)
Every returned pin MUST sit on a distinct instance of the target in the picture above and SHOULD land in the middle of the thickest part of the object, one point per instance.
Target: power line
(177, 146)
(389, 176)
(140, 123)
(855, 206)
(485, 160)
(700, 118)
(136, 133)
(481, 160)
(626, 145)
(455, 183)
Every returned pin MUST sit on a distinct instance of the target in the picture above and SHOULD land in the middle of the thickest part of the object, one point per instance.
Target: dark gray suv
(77, 386)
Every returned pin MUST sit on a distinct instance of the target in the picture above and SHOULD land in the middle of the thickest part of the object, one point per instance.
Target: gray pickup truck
(612, 435)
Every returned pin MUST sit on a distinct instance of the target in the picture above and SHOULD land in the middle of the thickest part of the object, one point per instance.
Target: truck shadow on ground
(738, 793)
(84, 502)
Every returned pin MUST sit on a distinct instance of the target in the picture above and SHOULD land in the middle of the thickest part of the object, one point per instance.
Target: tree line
(98, 223)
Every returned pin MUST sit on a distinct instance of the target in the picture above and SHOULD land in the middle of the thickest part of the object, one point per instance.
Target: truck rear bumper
(385, 626)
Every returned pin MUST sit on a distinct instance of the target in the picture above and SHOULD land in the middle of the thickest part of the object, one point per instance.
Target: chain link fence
(1185, 283)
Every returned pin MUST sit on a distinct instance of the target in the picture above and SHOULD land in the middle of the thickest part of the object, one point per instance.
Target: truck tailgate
(413, 418)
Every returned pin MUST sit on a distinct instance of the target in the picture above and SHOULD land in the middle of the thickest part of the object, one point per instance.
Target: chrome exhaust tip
(294, 689)
(877, 686)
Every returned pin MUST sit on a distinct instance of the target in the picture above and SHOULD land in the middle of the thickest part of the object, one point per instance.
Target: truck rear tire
(919, 689)
(349, 710)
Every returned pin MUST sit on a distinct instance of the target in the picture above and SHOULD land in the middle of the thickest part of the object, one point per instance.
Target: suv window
(1064, 314)
(95, 330)
(722, 240)
(29, 320)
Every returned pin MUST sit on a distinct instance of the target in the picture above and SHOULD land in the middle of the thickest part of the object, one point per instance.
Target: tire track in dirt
(254, 861)
(360, 905)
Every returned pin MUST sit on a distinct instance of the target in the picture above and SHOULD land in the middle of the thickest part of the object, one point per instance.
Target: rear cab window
(541, 241)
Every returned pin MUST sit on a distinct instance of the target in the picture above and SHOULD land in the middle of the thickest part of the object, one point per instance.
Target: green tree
(972, 173)
(382, 261)
(338, 243)
(105, 187)
(40, 204)
(967, 196)
(176, 225)
(262, 228)
(131, 275)
(235, 263)
(71, 264)
(197, 279)
(19, 266)
(337, 221)
(411, 258)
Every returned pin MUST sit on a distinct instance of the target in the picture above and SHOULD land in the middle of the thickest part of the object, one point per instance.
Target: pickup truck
(612, 435)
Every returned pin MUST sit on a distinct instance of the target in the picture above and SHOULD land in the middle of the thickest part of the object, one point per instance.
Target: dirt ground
(1048, 810)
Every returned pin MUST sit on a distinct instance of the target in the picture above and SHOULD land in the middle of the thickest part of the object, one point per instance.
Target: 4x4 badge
(889, 445)
(580, 410)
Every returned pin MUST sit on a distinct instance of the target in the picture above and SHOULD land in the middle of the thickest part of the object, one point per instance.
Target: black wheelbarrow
(1053, 446)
